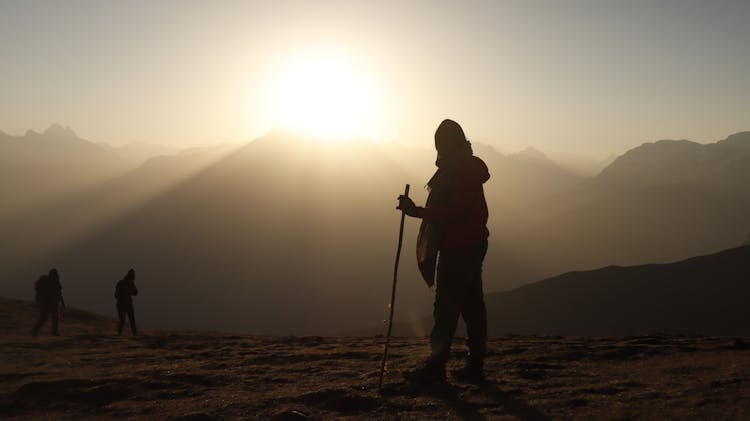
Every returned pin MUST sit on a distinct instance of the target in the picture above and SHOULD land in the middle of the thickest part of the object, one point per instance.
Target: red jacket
(463, 216)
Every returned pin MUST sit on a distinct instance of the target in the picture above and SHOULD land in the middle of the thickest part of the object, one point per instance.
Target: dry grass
(90, 373)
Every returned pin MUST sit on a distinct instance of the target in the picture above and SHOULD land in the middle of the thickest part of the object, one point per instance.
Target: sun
(324, 95)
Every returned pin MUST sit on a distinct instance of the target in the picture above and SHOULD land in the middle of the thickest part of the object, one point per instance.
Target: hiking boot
(473, 372)
(426, 375)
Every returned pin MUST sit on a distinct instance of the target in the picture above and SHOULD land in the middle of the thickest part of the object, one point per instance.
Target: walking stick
(393, 295)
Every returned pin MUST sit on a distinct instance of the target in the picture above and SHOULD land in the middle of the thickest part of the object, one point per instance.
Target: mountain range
(658, 202)
(697, 296)
(37, 168)
(293, 235)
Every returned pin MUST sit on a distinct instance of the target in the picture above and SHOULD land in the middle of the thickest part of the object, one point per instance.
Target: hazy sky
(594, 77)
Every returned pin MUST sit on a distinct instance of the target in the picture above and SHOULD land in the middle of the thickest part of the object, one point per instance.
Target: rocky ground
(88, 372)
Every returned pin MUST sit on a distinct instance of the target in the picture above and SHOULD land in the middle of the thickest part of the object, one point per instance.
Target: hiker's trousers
(459, 293)
(125, 309)
(47, 311)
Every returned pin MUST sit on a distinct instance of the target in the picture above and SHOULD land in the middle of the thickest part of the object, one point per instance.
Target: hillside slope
(198, 375)
(702, 295)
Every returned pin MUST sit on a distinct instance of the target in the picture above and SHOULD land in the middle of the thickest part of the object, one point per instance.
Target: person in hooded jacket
(124, 292)
(48, 296)
(454, 227)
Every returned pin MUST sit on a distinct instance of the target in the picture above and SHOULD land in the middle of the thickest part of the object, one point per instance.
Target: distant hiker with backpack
(124, 292)
(454, 226)
(48, 296)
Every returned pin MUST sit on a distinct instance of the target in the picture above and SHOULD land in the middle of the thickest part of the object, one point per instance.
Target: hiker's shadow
(511, 405)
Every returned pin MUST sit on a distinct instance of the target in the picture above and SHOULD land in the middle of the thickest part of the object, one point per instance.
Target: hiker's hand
(407, 205)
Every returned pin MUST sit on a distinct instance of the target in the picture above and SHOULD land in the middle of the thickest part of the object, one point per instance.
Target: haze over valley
(289, 234)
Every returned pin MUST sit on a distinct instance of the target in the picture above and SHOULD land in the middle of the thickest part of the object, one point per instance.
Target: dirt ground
(88, 372)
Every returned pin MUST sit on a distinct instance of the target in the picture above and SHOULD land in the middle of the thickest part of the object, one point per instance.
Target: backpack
(125, 289)
(47, 290)
(118, 290)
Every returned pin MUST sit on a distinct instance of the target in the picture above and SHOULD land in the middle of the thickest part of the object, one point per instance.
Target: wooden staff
(393, 295)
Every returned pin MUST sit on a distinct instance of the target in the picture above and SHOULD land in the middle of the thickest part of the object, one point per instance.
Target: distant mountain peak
(57, 130)
(671, 161)
(532, 153)
(739, 140)
(668, 144)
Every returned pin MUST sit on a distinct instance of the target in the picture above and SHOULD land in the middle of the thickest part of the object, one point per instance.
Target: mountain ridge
(311, 224)
(698, 295)
(686, 160)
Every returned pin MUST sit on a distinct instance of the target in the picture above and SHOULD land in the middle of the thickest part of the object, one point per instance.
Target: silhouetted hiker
(124, 292)
(48, 296)
(454, 225)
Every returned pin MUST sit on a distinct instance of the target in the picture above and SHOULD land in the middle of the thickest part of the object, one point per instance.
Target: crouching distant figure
(48, 296)
(124, 292)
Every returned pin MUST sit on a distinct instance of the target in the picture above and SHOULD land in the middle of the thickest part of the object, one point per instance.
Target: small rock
(290, 416)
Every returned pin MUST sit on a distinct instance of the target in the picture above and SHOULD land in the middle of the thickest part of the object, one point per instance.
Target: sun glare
(326, 96)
